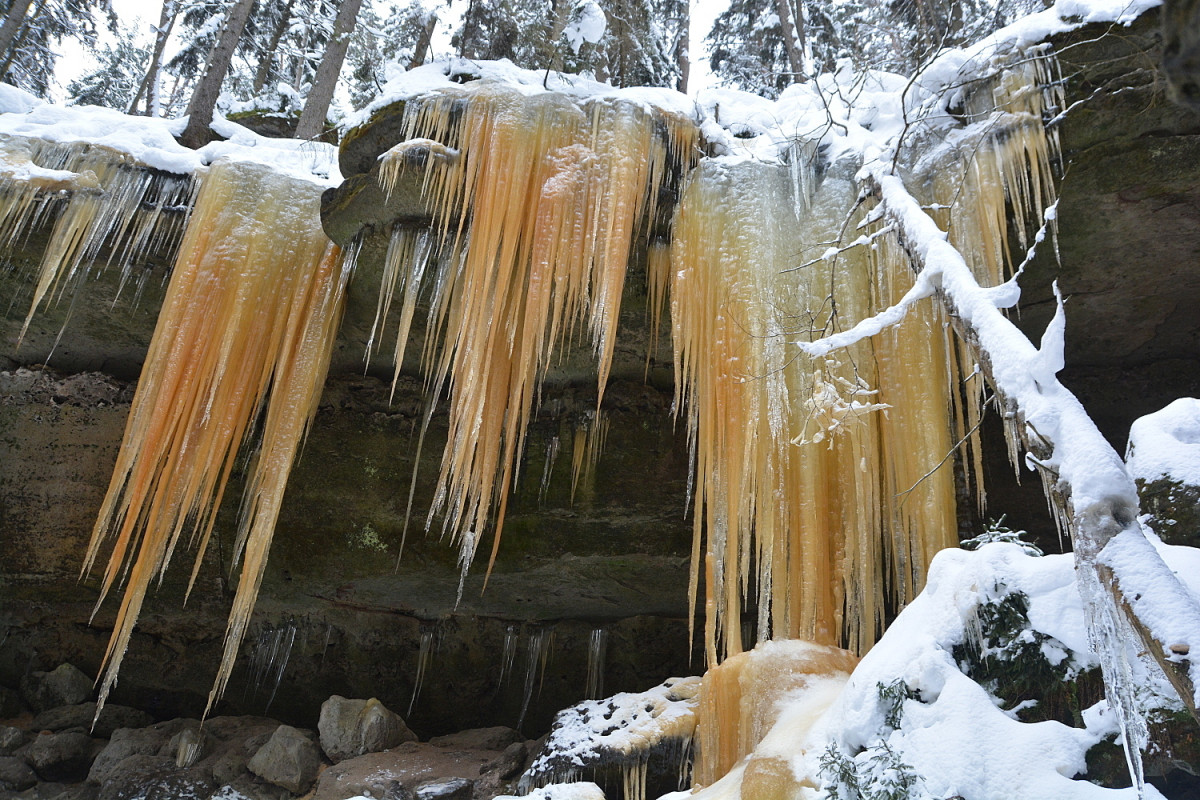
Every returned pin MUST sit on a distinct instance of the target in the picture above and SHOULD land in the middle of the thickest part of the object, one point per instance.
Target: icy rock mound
(641, 740)
(1163, 458)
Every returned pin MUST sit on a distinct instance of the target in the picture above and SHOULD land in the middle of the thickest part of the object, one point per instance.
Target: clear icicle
(508, 654)
(536, 653)
(597, 647)
(424, 654)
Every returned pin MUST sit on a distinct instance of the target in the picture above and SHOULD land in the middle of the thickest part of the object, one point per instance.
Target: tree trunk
(264, 64)
(149, 87)
(418, 56)
(682, 46)
(204, 98)
(12, 24)
(793, 39)
(312, 119)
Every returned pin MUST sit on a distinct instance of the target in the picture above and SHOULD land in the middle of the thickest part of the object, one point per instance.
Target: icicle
(424, 652)
(246, 330)
(537, 651)
(597, 644)
(508, 654)
(802, 490)
(538, 202)
(100, 199)
(269, 658)
(552, 448)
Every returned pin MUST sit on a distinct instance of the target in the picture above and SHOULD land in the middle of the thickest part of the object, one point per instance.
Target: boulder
(146, 777)
(496, 738)
(351, 728)
(289, 759)
(15, 774)
(81, 716)
(127, 742)
(62, 756)
(66, 685)
(510, 763)
(11, 739)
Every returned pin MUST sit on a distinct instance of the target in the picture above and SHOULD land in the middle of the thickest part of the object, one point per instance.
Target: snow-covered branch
(1085, 479)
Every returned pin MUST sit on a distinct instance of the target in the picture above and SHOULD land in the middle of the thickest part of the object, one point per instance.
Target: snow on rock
(17, 101)
(460, 75)
(151, 141)
(1166, 444)
(560, 791)
(617, 730)
(911, 715)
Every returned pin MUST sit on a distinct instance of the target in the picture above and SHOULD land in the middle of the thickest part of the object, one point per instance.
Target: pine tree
(30, 34)
(316, 106)
(399, 34)
(114, 83)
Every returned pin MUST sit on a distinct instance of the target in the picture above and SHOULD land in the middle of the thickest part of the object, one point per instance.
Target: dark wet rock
(494, 738)
(11, 739)
(63, 686)
(290, 758)
(15, 774)
(351, 727)
(62, 756)
(10, 703)
(445, 789)
(81, 715)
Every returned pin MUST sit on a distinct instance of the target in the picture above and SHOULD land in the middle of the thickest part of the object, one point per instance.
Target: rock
(10, 703)
(66, 685)
(496, 738)
(510, 763)
(15, 774)
(81, 716)
(147, 777)
(249, 787)
(11, 739)
(445, 789)
(289, 759)
(127, 742)
(62, 756)
(352, 728)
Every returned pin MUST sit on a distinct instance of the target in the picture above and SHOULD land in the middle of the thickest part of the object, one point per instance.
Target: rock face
(350, 728)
